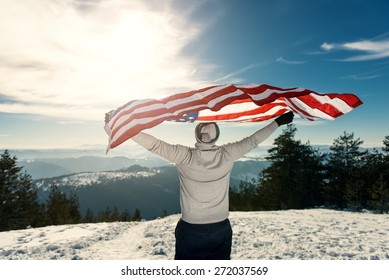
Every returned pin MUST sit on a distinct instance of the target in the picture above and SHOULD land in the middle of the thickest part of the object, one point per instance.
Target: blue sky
(65, 63)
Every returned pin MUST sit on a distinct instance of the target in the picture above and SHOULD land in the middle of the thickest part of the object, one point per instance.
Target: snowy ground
(317, 234)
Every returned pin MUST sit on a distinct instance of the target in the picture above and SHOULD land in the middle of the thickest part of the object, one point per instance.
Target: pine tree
(89, 216)
(380, 195)
(61, 209)
(19, 206)
(125, 216)
(74, 209)
(137, 217)
(386, 145)
(115, 215)
(57, 212)
(345, 162)
(104, 216)
(9, 173)
(379, 171)
(294, 178)
(249, 195)
(27, 209)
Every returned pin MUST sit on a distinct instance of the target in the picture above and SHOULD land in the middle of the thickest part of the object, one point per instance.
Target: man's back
(204, 183)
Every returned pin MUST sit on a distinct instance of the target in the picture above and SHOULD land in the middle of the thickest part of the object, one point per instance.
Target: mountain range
(149, 184)
(54, 167)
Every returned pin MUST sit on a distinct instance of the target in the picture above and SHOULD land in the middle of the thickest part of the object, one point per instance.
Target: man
(204, 231)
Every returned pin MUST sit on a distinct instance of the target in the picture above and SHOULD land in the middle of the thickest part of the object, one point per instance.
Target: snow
(315, 234)
(85, 179)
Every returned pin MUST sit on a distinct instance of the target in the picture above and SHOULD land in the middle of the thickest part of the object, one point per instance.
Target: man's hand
(285, 118)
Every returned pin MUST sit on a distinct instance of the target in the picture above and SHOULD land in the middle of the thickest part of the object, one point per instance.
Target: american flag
(237, 103)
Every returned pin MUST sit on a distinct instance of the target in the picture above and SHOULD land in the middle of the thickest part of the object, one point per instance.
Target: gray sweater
(204, 172)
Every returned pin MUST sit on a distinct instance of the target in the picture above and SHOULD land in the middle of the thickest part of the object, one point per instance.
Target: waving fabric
(236, 103)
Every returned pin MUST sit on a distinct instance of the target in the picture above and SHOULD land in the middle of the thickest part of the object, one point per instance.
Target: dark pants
(203, 241)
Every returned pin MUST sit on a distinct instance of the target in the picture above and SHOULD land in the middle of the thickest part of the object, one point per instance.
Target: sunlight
(130, 44)
(82, 62)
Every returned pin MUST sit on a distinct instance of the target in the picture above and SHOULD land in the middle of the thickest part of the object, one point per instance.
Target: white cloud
(293, 62)
(327, 47)
(78, 59)
(371, 49)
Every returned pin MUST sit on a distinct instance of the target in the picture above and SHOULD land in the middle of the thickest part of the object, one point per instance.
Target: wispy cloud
(231, 77)
(363, 76)
(77, 59)
(369, 49)
(373, 74)
(293, 62)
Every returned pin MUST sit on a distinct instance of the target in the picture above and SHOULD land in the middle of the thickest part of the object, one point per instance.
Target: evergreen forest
(299, 177)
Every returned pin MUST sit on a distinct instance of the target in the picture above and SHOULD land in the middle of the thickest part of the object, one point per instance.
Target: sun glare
(92, 59)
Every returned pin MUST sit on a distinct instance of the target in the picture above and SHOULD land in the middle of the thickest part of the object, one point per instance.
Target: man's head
(207, 133)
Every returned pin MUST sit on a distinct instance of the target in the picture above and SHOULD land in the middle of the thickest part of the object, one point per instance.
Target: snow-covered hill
(41, 168)
(92, 178)
(295, 234)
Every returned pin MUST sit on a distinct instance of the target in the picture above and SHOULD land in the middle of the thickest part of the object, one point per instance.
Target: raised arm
(173, 153)
(238, 149)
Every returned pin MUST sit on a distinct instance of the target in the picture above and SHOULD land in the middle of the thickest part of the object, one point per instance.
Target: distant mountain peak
(136, 168)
